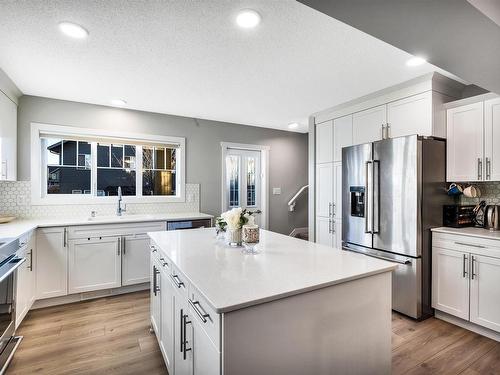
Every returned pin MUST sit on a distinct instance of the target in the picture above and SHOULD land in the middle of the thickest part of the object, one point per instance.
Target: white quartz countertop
(17, 228)
(470, 231)
(284, 266)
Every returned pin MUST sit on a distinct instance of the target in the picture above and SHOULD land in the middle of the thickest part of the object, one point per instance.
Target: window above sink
(78, 165)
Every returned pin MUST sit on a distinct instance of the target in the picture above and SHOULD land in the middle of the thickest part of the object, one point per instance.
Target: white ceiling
(189, 58)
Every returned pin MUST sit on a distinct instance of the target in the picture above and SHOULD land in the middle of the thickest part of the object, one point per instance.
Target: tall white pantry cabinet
(415, 107)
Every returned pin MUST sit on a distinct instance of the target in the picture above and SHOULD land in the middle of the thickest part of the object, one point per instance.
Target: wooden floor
(111, 336)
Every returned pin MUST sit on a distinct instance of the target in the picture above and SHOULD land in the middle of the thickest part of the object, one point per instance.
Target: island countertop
(285, 266)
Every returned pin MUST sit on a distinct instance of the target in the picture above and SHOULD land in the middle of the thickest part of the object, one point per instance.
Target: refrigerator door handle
(376, 197)
(368, 198)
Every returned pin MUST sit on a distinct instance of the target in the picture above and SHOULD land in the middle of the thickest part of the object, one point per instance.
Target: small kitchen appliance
(492, 217)
(457, 216)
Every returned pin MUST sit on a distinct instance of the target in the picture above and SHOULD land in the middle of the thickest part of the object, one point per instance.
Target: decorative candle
(250, 233)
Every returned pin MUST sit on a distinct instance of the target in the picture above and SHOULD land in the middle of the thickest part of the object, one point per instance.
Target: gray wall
(288, 153)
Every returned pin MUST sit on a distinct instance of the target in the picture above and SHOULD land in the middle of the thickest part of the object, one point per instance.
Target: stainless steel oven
(9, 263)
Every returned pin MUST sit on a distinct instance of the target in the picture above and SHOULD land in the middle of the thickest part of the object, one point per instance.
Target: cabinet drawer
(207, 318)
(180, 282)
(119, 229)
(467, 244)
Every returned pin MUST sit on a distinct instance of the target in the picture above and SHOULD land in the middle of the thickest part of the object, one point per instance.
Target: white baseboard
(78, 297)
(468, 325)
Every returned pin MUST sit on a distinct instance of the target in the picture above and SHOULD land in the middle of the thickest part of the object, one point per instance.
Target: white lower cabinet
(450, 282)
(206, 359)
(167, 301)
(183, 338)
(135, 259)
(26, 282)
(94, 264)
(51, 262)
(485, 292)
(155, 294)
(466, 279)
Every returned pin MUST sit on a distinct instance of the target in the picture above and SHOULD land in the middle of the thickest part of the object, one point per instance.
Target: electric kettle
(492, 217)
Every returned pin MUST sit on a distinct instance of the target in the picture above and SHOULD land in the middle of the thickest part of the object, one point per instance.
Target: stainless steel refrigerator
(392, 194)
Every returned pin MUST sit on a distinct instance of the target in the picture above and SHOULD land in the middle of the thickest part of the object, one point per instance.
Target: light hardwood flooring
(111, 336)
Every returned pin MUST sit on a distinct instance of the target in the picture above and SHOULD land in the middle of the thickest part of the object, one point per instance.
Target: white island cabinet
(296, 307)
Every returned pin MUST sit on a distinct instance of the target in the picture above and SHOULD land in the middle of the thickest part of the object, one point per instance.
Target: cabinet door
(51, 263)
(367, 125)
(324, 231)
(155, 297)
(22, 287)
(206, 357)
(342, 135)
(492, 139)
(450, 282)
(167, 318)
(8, 138)
(135, 259)
(324, 142)
(324, 189)
(31, 256)
(485, 291)
(412, 115)
(94, 264)
(337, 191)
(464, 133)
(337, 234)
(183, 343)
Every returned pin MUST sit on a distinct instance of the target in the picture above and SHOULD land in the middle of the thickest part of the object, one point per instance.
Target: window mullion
(138, 171)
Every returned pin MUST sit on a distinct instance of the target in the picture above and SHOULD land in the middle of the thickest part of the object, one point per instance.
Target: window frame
(39, 168)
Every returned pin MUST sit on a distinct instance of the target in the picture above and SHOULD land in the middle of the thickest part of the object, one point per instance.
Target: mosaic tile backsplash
(490, 192)
(15, 200)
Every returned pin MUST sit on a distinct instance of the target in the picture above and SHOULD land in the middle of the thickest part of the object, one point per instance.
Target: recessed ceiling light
(416, 61)
(118, 102)
(73, 30)
(248, 18)
(293, 125)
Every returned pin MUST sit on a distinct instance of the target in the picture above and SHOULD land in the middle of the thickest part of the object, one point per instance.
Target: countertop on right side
(470, 231)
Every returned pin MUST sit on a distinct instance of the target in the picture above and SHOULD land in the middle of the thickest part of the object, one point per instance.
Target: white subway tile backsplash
(15, 199)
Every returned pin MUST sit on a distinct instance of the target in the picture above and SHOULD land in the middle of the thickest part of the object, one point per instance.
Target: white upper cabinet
(8, 138)
(484, 291)
(342, 135)
(465, 134)
(324, 142)
(408, 116)
(324, 189)
(368, 125)
(492, 139)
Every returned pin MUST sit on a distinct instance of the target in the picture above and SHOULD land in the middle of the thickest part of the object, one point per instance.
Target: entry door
(243, 177)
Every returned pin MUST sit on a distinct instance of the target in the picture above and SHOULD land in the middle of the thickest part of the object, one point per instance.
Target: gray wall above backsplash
(288, 150)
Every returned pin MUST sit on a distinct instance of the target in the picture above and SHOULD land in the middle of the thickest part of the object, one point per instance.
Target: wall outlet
(277, 191)
(21, 200)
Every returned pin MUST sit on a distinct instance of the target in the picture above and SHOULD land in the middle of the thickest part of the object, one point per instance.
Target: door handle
(123, 245)
(367, 212)
(330, 209)
(488, 169)
(202, 314)
(479, 168)
(473, 273)
(177, 281)
(65, 237)
(469, 244)
(464, 271)
(383, 131)
(31, 261)
(119, 246)
(156, 289)
(329, 225)
(376, 197)
(387, 131)
(184, 348)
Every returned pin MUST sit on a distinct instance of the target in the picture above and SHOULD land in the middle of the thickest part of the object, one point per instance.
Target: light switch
(277, 191)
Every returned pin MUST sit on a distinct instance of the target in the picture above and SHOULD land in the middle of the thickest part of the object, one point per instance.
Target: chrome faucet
(119, 209)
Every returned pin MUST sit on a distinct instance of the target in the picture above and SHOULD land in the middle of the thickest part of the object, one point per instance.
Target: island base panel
(341, 329)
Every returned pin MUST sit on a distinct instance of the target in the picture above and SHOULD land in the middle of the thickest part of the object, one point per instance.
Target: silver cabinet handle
(368, 213)
(153, 249)
(329, 225)
(163, 262)
(119, 246)
(473, 273)
(182, 330)
(464, 271)
(470, 244)
(479, 168)
(124, 241)
(31, 261)
(387, 131)
(330, 209)
(488, 169)
(199, 311)
(383, 131)
(177, 281)
(184, 323)
(333, 209)
(65, 237)
(156, 288)
(333, 226)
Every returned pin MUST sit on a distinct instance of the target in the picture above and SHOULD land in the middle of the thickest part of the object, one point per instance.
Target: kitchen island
(296, 307)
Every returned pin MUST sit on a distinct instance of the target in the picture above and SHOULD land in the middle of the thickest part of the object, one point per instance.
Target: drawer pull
(470, 244)
(202, 314)
(177, 281)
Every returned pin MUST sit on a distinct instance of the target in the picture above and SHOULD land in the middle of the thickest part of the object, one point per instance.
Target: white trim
(59, 130)
(264, 170)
